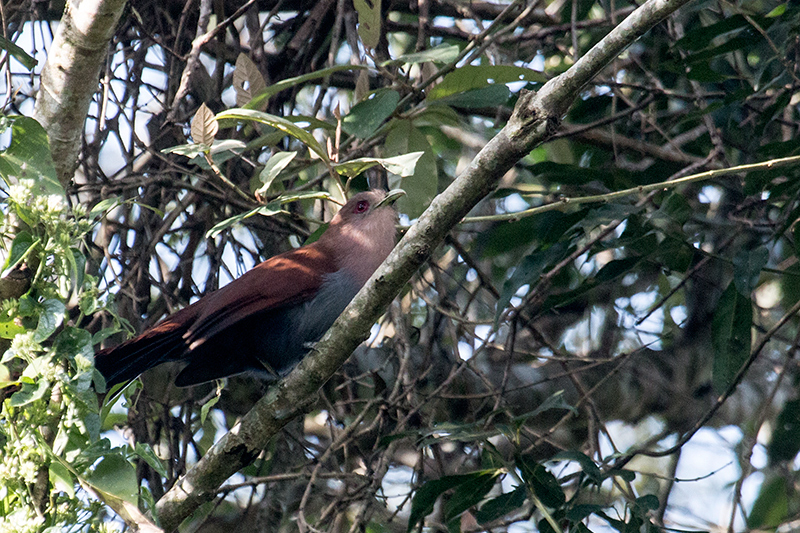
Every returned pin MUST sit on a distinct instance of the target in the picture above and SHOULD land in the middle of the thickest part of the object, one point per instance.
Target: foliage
(50, 424)
(622, 293)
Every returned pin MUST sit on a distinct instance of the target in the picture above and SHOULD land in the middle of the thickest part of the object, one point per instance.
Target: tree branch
(70, 77)
(533, 121)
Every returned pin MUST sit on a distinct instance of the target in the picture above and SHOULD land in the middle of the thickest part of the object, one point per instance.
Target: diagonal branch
(534, 119)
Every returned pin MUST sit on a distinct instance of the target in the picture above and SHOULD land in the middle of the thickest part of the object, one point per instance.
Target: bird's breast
(319, 313)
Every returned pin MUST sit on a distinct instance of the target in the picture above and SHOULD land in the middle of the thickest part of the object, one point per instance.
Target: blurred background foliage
(624, 363)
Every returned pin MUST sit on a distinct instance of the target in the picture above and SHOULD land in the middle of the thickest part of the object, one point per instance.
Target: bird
(266, 320)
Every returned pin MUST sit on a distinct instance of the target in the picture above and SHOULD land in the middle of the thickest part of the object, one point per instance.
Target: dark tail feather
(158, 345)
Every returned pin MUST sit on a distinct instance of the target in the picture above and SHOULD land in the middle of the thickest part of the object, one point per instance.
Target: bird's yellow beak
(391, 197)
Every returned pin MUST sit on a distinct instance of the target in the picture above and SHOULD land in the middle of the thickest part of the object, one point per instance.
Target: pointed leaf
(772, 505)
(278, 123)
(470, 493)
(471, 77)
(443, 53)
(425, 497)
(275, 165)
(208, 406)
(29, 392)
(784, 445)
(747, 266)
(116, 476)
(262, 98)
(51, 315)
(422, 186)
(543, 484)
(22, 243)
(402, 165)
(204, 127)
(28, 156)
(367, 116)
(369, 21)
(61, 478)
(554, 401)
(265, 210)
(529, 271)
(18, 53)
(247, 80)
(145, 451)
(589, 467)
(731, 336)
(501, 505)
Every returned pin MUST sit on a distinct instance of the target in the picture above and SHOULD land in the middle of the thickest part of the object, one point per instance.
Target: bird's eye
(361, 207)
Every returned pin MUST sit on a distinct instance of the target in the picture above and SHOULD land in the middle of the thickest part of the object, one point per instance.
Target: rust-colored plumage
(264, 320)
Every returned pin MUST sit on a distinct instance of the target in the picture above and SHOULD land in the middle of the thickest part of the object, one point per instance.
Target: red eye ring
(361, 207)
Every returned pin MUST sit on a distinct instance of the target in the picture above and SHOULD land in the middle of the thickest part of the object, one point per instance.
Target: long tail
(160, 344)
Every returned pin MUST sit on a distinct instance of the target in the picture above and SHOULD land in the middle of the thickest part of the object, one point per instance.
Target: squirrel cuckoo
(265, 320)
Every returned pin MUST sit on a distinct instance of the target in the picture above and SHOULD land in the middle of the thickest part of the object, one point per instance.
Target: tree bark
(70, 76)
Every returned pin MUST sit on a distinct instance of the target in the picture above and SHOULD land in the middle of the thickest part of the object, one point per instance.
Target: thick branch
(70, 76)
(533, 120)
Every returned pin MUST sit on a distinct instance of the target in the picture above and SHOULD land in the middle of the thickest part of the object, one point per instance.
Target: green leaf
(369, 21)
(578, 512)
(491, 96)
(541, 482)
(145, 451)
(265, 210)
(422, 186)
(778, 11)
(17, 53)
(22, 243)
(188, 150)
(469, 493)
(29, 392)
(75, 344)
(784, 445)
(616, 268)
(554, 401)
(61, 478)
(747, 266)
(697, 39)
(677, 208)
(28, 156)
(501, 505)
(588, 466)
(207, 407)
(51, 314)
(402, 165)
(731, 336)
(104, 206)
(116, 476)
(261, 99)
(366, 116)
(425, 497)
(648, 502)
(275, 165)
(471, 77)
(10, 329)
(298, 196)
(529, 271)
(229, 147)
(772, 505)
(279, 123)
(626, 475)
(443, 53)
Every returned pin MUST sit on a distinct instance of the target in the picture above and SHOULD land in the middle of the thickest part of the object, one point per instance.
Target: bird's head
(362, 233)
